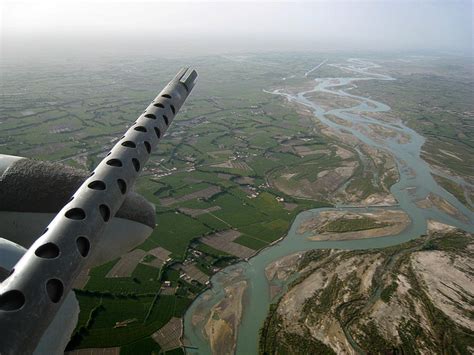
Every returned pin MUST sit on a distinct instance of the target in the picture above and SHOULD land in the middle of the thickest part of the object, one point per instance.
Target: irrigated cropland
(291, 192)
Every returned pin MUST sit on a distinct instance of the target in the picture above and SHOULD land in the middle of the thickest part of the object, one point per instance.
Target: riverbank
(219, 324)
(377, 300)
(433, 200)
(263, 272)
(343, 225)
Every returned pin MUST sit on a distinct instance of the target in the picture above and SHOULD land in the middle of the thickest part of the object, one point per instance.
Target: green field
(342, 225)
(214, 143)
(263, 156)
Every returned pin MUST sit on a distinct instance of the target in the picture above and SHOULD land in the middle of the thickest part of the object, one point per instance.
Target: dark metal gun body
(33, 293)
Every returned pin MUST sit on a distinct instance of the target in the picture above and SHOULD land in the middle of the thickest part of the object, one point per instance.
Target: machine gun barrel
(33, 293)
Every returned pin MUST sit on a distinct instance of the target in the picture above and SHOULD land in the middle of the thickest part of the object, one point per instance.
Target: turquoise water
(415, 183)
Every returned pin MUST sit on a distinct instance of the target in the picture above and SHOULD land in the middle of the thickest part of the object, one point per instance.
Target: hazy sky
(228, 26)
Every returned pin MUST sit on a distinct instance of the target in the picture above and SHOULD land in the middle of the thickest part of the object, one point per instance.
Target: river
(415, 183)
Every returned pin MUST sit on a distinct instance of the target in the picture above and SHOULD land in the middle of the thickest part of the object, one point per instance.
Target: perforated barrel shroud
(33, 293)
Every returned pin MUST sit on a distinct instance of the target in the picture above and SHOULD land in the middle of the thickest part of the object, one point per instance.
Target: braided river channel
(415, 183)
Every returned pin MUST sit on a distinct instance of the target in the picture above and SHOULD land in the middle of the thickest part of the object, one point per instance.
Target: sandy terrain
(330, 101)
(381, 133)
(327, 329)
(397, 221)
(339, 293)
(440, 203)
(343, 153)
(345, 136)
(334, 184)
(452, 155)
(219, 321)
(435, 226)
(376, 157)
(449, 281)
(221, 326)
(379, 200)
(284, 267)
(340, 121)
(388, 117)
